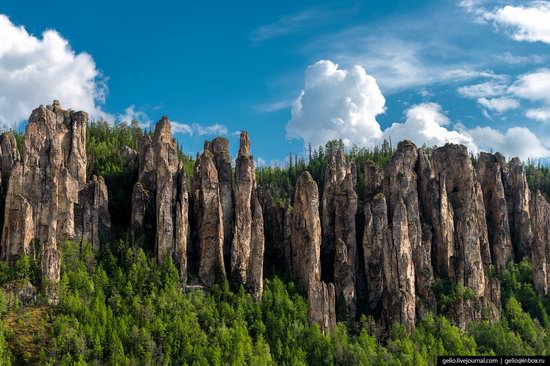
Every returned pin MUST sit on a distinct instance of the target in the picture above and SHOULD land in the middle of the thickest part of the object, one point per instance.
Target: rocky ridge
(425, 217)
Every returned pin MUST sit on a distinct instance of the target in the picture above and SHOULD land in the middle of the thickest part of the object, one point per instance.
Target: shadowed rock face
(339, 209)
(160, 200)
(305, 248)
(9, 156)
(465, 198)
(375, 239)
(517, 197)
(540, 251)
(92, 218)
(222, 160)
(489, 170)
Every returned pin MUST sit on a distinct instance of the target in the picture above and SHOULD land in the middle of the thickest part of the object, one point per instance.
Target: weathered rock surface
(375, 240)
(222, 160)
(306, 250)
(248, 239)
(465, 198)
(411, 243)
(540, 252)
(210, 231)
(9, 156)
(517, 197)
(92, 218)
(245, 182)
(43, 187)
(339, 210)
(321, 305)
(400, 297)
(160, 200)
(374, 177)
(489, 170)
(306, 233)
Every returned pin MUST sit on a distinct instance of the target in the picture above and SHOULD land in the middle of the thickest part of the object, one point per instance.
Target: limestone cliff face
(248, 240)
(427, 216)
(160, 199)
(517, 198)
(45, 187)
(375, 241)
(9, 157)
(540, 257)
(339, 210)
(306, 250)
(92, 218)
(489, 170)
(210, 229)
(306, 232)
(222, 160)
(465, 199)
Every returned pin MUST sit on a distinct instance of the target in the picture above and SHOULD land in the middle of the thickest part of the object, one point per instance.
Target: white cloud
(534, 86)
(521, 60)
(425, 124)
(197, 129)
(37, 70)
(516, 141)
(529, 23)
(344, 104)
(539, 114)
(499, 105)
(482, 90)
(130, 114)
(337, 103)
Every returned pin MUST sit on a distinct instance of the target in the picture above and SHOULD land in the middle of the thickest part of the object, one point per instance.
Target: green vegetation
(121, 308)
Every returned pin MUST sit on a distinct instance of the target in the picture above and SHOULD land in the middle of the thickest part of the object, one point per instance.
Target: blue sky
(473, 72)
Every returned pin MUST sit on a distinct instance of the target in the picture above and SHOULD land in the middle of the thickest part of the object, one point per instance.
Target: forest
(120, 308)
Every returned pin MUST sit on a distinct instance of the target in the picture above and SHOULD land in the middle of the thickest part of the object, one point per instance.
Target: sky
(291, 73)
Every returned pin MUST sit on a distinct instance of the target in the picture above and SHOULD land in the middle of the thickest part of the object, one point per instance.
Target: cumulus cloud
(539, 114)
(37, 70)
(337, 104)
(533, 86)
(344, 104)
(530, 23)
(499, 105)
(516, 141)
(426, 124)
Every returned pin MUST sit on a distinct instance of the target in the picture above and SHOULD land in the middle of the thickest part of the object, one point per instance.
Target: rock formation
(92, 218)
(160, 200)
(306, 246)
(222, 161)
(45, 187)
(248, 223)
(9, 156)
(489, 170)
(465, 199)
(517, 197)
(540, 257)
(210, 219)
(375, 240)
(339, 209)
